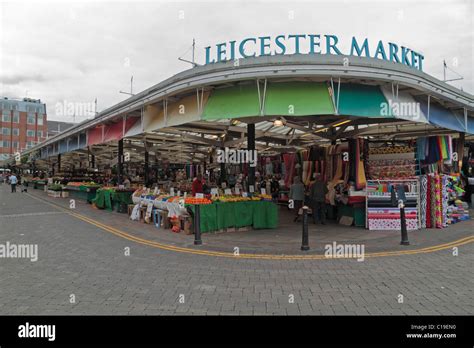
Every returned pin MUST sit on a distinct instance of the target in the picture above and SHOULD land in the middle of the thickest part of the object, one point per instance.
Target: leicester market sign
(310, 44)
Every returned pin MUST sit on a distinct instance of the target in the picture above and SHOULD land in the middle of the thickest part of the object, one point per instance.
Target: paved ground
(79, 258)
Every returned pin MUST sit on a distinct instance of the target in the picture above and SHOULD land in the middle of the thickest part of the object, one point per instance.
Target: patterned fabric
(438, 202)
(444, 198)
(433, 201)
(423, 199)
(391, 224)
(428, 202)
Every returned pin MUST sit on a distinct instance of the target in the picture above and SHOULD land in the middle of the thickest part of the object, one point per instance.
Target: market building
(369, 128)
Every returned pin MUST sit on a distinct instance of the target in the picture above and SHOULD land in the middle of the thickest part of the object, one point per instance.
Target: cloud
(77, 52)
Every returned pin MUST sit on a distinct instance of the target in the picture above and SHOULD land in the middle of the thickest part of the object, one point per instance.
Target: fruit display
(194, 200)
(85, 184)
(265, 197)
(230, 198)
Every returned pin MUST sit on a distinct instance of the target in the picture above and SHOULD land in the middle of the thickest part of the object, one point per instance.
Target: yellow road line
(169, 247)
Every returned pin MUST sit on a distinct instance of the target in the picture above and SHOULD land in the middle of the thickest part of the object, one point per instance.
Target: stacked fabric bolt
(459, 211)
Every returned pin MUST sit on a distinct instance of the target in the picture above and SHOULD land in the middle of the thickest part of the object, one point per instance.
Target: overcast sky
(78, 51)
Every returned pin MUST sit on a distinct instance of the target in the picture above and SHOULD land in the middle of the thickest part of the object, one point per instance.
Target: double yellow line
(168, 247)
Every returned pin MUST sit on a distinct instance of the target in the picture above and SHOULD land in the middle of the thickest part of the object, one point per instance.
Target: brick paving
(80, 259)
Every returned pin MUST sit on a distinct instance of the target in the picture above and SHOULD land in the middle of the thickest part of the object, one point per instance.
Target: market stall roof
(323, 93)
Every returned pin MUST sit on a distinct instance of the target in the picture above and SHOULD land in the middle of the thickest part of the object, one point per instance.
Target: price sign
(149, 208)
(244, 194)
(179, 193)
(199, 195)
(181, 203)
(251, 189)
(156, 190)
(237, 191)
(263, 191)
(228, 191)
(214, 191)
(172, 191)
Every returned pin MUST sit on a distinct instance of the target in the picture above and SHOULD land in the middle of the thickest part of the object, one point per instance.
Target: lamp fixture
(278, 123)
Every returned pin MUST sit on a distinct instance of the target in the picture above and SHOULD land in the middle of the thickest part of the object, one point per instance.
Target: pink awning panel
(94, 136)
(112, 132)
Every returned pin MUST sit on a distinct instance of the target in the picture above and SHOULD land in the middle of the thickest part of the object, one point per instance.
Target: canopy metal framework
(256, 88)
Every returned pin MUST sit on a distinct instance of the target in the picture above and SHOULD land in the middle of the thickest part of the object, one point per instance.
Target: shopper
(126, 182)
(297, 195)
(319, 189)
(13, 182)
(197, 185)
(275, 189)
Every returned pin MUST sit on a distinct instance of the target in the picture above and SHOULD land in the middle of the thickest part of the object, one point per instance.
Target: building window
(16, 131)
(16, 144)
(30, 118)
(30, 133)
(6, 117)
(5, 131)
(6, 143)
(16, 117)
(40, 120)
(40, 134)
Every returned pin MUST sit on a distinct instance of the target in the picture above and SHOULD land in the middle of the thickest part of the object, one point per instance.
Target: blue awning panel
(440, 116)
(62, 146)
(470, 125)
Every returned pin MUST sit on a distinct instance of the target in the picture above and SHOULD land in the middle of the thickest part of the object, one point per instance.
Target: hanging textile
(360, 170)
(438, 202)
(444, 197)
(428, 202)
(423, 200)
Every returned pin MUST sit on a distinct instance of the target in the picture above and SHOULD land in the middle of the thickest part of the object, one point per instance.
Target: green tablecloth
(124, 197)
(103, 199)
(83, 195)
(256, 214)
(109, 198)
(265, 215)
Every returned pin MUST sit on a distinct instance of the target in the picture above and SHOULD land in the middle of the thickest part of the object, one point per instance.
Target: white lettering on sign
(237, 156)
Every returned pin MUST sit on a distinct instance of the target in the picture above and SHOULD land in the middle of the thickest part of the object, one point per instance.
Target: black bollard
(403, 224)
(197, 225)
(305, 239)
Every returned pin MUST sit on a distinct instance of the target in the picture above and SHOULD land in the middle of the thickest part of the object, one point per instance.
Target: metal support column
(120, 162)
(251, 147)
(59, 163)
(146, 168)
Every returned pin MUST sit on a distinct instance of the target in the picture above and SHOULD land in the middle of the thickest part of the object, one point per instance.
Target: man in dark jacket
(319, 189)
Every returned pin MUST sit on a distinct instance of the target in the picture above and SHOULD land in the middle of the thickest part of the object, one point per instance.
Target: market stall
(85, 191)
(113, 198)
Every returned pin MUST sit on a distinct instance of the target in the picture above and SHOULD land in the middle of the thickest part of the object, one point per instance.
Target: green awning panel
(298, 99)
(232, 102)
(361, 100)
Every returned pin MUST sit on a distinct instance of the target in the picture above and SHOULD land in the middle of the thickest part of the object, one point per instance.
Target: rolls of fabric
(423, 199)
